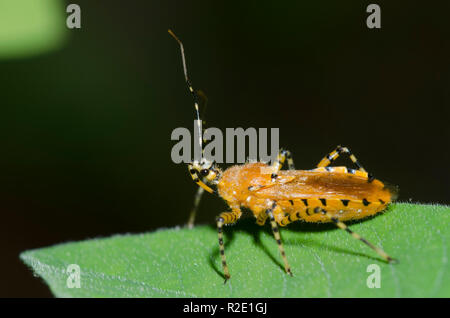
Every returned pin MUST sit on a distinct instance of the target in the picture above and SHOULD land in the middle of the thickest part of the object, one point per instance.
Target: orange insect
(323, 194)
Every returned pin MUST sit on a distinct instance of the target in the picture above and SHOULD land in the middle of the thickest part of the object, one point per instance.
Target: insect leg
(225, 218)
(261, 219)
(276, 234)
(332, 156)
(344, 227)
(198, 197)
(283, 155)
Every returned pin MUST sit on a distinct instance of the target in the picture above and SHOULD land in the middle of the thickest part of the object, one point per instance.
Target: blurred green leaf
(326, 262)
(29, 27)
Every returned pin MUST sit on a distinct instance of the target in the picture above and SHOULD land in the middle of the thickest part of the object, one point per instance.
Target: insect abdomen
(344, 209)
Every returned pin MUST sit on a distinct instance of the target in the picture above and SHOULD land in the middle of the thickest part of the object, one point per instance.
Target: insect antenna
(191, 89)
(203, 170)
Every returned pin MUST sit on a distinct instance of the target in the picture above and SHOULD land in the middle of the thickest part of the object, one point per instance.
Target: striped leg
(225, 218)
(276, 234)
(344, 227)
(198, 197)
(261, 219)
(283, 155)
(332, 156)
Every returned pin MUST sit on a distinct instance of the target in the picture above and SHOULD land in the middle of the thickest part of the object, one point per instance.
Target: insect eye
(204, 172)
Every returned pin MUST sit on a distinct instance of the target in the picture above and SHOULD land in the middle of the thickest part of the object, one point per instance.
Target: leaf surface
(326, 261)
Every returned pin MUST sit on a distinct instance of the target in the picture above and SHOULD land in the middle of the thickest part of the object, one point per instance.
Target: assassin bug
(323, 194)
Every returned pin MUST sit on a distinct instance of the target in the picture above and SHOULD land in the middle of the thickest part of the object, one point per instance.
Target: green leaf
(29, 27)
(326, 261)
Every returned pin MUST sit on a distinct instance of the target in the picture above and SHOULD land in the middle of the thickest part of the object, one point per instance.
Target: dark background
(85, 130)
